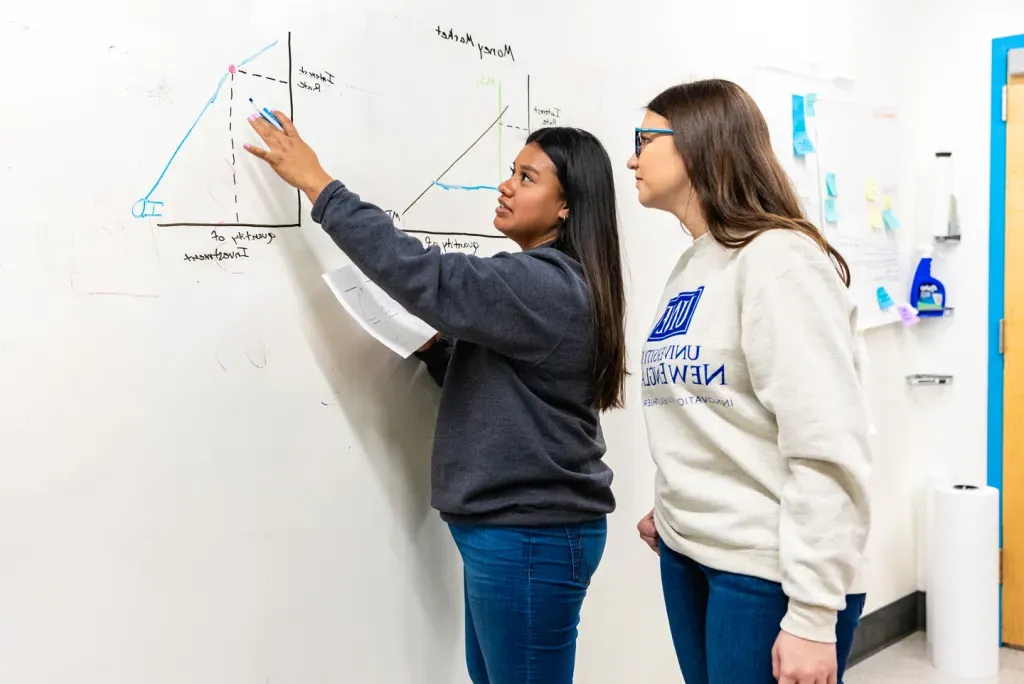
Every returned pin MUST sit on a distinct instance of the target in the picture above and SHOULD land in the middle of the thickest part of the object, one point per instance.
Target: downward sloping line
(427, 189)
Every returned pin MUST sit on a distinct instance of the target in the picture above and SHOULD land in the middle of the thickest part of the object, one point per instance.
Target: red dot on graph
(232, 68)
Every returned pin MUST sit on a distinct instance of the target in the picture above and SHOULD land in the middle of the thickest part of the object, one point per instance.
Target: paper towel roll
(963, 581)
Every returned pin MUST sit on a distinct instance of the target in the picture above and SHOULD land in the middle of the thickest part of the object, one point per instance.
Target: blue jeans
(724, 625)
(524, 588)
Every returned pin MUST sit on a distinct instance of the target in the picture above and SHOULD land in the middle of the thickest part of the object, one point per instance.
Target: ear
(563, 213)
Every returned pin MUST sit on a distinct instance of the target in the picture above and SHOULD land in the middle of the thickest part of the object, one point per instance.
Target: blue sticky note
(830, 184)
(802, 144)
(890, 220)
(811, 100)
(884, 300)
(831, 212)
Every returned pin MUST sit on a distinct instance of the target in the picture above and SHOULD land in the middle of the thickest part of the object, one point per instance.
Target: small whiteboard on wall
(855, 200)
(848, 184)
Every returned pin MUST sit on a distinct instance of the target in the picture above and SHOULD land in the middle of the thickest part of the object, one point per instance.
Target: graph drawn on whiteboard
(208, 179)
(488, 155)
(376, 312)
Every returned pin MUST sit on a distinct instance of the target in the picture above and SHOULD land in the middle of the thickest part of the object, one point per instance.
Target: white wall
(949, 94)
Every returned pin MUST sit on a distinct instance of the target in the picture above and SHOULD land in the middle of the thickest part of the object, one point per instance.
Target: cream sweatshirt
(757, 421)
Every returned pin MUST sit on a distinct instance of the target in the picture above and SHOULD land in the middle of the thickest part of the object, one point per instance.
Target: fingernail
(252, 117)
(247, 146)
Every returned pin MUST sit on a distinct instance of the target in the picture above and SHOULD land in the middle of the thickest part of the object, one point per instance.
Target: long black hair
(590, 235)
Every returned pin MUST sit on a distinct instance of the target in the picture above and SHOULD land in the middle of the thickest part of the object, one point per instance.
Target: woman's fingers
(649, 532)
(267, 133)
(262, 128)
(286, 124)
(652, 542)
(256, 151)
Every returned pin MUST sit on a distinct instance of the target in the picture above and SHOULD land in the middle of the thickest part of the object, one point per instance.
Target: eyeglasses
(640, 142)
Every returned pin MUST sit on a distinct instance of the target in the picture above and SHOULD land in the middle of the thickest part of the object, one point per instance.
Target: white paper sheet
(376, 312)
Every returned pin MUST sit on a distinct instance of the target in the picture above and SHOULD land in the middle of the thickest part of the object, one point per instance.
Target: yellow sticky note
(871, 190)
(876, 218)
(886, 203)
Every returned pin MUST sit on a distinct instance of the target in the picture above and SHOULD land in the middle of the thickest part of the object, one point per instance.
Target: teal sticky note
(831, 211)
(890, 220)
(802, 144)
(830, 184)
(884, 300)
(810, 101)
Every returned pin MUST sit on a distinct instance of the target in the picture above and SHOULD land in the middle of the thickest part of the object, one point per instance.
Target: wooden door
(1013, 359)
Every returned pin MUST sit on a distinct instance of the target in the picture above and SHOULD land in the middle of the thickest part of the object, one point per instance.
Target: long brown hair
(590, 234)
(724, 141)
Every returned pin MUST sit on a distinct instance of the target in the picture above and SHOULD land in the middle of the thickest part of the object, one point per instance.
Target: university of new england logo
(677, 317)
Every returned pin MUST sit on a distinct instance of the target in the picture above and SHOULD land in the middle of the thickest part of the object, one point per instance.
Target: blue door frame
(997, 263)
(997, 256)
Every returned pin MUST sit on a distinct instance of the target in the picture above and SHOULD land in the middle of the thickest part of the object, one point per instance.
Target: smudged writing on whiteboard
(504, 52)
(318, 79)
(219, 255)
(240, 252)
(453, 245)
(254, 237)
(549, 115)
(246, 236)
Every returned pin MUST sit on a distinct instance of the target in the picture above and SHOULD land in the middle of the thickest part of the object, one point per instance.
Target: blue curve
(249, 59)
(195, 123)
(145, 201)
(446, 186)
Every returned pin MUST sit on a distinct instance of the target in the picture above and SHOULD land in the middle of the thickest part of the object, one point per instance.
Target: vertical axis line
(291, 115)
(231, 129)
(501, 127)
(528, 128)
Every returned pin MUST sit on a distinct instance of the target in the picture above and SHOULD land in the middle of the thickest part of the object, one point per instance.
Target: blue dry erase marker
(267, 115)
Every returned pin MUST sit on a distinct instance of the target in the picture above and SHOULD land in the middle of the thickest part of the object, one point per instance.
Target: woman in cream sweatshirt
(754, 405)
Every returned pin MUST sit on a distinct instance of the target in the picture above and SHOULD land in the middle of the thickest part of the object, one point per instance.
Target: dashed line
(269, 78)
(234, 175)
(518, 128)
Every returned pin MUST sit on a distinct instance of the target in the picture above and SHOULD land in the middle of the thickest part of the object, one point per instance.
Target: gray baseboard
(885, 626)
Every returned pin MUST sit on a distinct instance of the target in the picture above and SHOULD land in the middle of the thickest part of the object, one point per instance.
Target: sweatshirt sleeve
(436, 358)
(801, 350)
(515, 304)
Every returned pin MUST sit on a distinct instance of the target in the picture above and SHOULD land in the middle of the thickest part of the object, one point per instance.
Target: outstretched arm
(517, 305)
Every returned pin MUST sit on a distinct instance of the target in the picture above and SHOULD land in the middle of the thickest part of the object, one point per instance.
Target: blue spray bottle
(927, 294)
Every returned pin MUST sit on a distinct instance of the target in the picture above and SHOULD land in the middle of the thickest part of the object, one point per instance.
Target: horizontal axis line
(228, 225)
(444, 232)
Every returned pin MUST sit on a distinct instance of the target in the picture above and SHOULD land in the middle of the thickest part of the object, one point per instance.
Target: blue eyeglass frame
(637, 139)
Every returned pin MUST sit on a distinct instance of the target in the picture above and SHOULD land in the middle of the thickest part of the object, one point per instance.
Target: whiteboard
(857, 143)
(209, 473)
